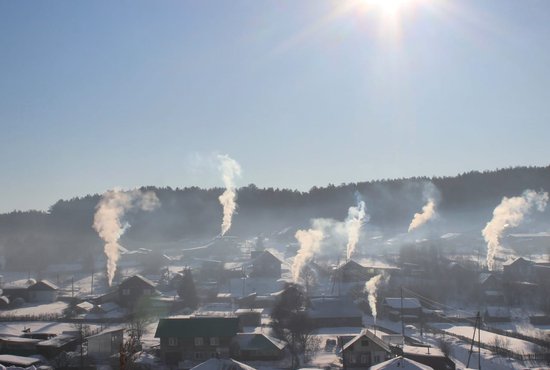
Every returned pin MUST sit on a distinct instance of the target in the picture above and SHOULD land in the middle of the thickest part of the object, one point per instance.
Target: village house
(365, 350)
(133, 290)
(352, 271)
(398, 363)
(191, 338)
(265, 264)
(249, 317)
(257, 347)
(429, 356)
(43, 291)
(519, 269)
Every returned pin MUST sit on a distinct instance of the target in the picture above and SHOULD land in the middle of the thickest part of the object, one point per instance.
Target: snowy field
(513, 344)
(15, 329)
(55, 308)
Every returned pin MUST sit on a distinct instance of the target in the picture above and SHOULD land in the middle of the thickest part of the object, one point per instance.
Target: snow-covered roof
(423, 350)
(44, 285)
(18, 360)
(108, 307)
(86, 306)
(408, 303)
(257, 341)
(333, 307)
(106, 332)
(399, 363)
(57, 341)
(222, 364)
(371, 336)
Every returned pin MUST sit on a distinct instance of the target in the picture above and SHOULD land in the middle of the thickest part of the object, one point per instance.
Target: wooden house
(257, 347)
(191, 338)
(365, 350)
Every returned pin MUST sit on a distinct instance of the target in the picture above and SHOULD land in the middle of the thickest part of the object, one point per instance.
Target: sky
(98, 94)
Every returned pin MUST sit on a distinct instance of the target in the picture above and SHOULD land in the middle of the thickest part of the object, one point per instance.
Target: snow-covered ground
(15, 329)
(513, 344)
(29, 309)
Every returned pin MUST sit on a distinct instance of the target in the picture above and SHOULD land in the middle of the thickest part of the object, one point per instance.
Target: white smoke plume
(107, 220)
(427, 213)
(229, 168)
(371, 287)
(310, 244)
(510, 213)
(357, 216)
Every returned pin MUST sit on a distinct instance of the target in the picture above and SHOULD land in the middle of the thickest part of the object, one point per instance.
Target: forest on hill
(64, 232)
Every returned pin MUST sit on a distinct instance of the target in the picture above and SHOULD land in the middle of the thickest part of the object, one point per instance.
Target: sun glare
(388, 7)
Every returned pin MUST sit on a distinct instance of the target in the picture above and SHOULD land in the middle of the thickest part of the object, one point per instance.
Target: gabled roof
(44, 285)
(351, 264)
(107, 332)
(222, 364)
(258, 341)
(138, 280)
(191, 326)
(484, 276)
(519, 260)
(370, 336)
(399, 363)
(408, 303)
(267, 256)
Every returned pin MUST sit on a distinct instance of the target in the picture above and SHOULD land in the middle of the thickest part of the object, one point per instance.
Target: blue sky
(97, 94)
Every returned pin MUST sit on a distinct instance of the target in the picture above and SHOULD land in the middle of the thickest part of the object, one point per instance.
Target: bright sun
(388, 7)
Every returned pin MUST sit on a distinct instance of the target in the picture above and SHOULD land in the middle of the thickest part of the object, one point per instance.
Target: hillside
(465, 201)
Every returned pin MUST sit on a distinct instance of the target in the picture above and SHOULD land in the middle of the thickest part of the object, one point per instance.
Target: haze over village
(357, 184)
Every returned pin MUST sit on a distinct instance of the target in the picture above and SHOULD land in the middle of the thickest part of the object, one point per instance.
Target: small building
(18, 361)
(399, 363)
(83, 307)
(265, 264)
(365, 350)
(222, 364)
(43, 291)
(54, 346)
(334, 312)
(191, 338)
(410, 308)
(134, 289)
(105, 344)
(257, 347)
(351, 271)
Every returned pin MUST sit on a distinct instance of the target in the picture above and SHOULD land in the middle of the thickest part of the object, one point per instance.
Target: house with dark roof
(191, 338)
(43, 291)
(430, 356)
(133, 290)
(519, 269)
(257, 347)
(352, 271)
(265, 264)
(334, 312)
(365, 350)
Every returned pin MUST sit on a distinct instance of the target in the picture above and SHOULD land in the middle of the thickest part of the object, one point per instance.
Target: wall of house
(174, 349)
(43, 296)
(364, 353)
(103, 346)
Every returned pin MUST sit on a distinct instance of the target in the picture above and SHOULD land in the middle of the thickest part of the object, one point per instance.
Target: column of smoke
(310, 243)
(510, 213)
(229, 169)
(371, 287)
(107, 220)
(357, 216)
(427, 213)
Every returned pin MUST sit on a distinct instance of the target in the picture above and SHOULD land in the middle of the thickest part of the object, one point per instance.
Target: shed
(257, 347)
(19, 361)
(105, 344)
(399, 363)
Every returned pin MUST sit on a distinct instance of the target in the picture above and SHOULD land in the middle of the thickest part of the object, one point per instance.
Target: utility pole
(477, 326)
(402, 322)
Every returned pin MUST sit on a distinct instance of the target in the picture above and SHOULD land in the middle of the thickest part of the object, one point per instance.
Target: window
(199, 341)
(214, 341)
(172, 341)
(125, 291)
